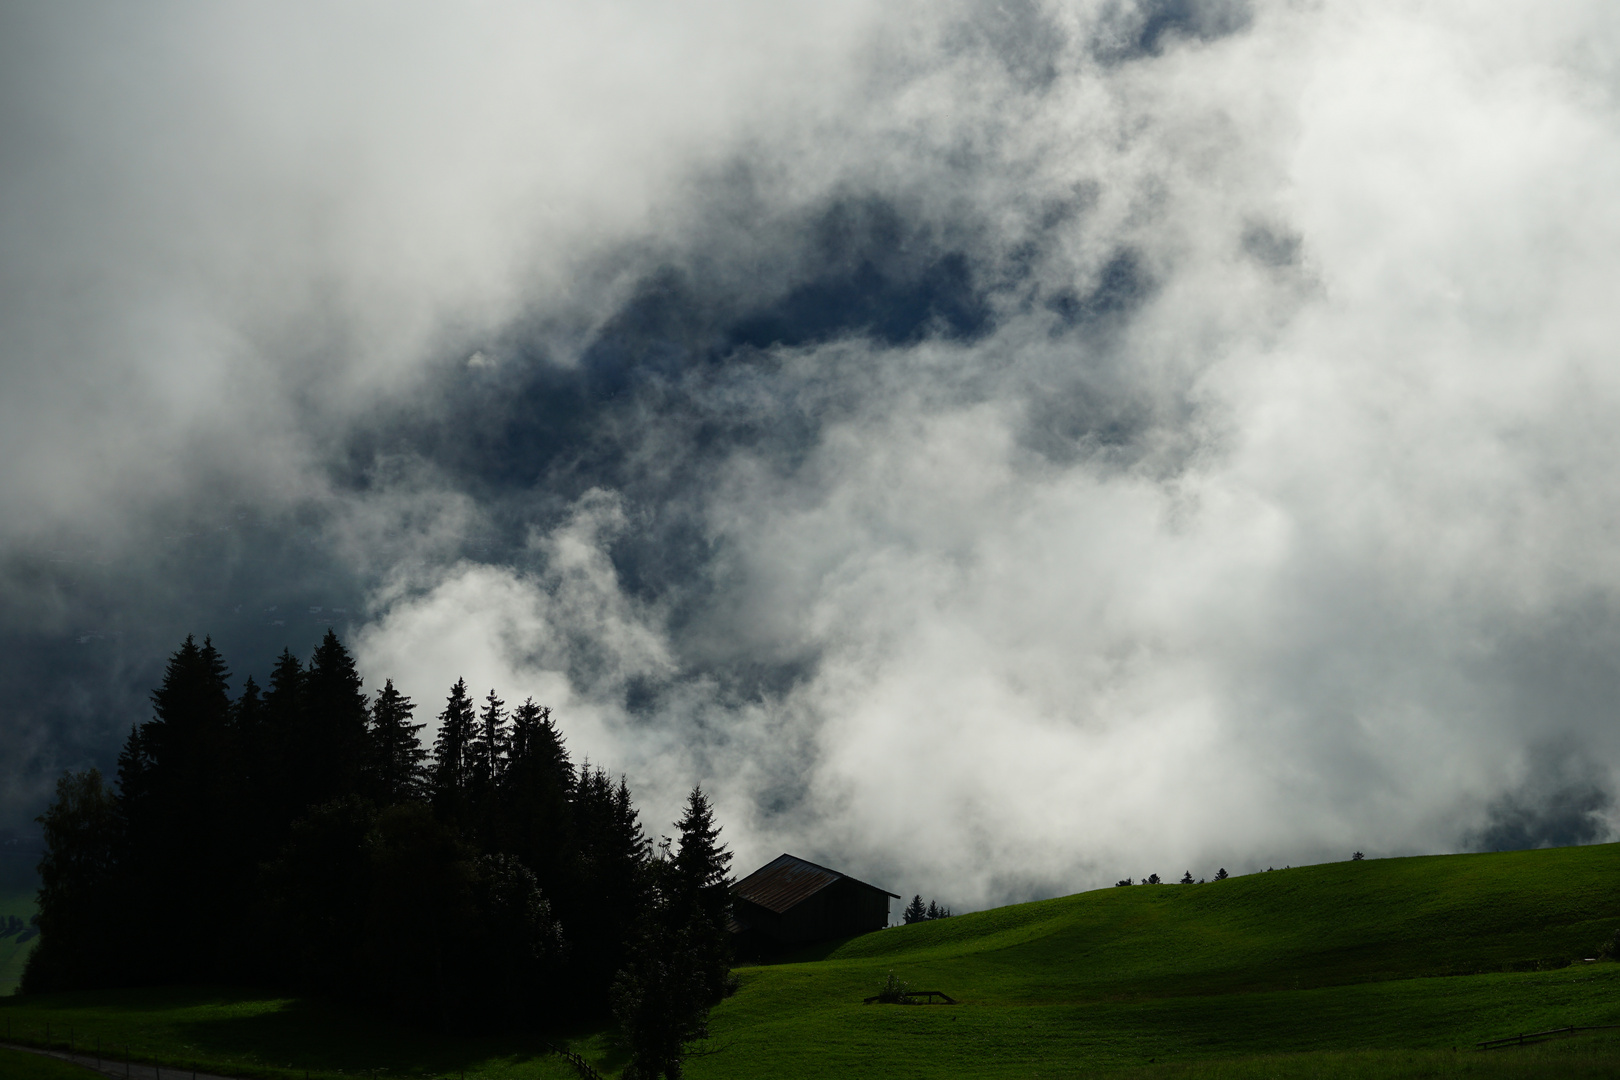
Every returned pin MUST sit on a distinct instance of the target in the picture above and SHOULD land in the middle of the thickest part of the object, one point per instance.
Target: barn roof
(788, 880)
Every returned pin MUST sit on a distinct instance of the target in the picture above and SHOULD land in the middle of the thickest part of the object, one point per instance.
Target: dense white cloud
(1305, 545)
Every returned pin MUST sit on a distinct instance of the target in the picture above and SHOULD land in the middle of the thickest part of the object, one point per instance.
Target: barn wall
(841, 909)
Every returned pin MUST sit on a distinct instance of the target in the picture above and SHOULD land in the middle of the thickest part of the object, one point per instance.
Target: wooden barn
(791, 901)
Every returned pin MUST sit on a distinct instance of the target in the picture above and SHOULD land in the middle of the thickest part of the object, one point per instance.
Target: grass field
(18, 902)
(1422, 953)
(19, 1065)
(1390, 967)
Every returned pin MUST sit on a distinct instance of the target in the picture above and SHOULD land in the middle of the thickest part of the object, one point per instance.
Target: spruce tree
(184, 837)
(678, 961)
(394, 758)
(536, 743)
(534, 819)
(486, 754)
(134, 773)
(335, 716)
(452, 749)
(277, 786)
(915, 911)
(607, 887)
(702, 894)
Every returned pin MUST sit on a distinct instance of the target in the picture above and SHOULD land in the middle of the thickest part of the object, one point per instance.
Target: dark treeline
(917, 911)
(300, 835)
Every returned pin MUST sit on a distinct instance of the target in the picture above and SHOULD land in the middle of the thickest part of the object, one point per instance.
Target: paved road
(119, 1070)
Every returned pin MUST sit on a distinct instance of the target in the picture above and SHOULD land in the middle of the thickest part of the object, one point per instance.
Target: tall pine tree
(485, 758)
(278, 790)
(701, 894)
(394, 759)
(335, 716)
(534, 820)
(184, 834)
(452, 752)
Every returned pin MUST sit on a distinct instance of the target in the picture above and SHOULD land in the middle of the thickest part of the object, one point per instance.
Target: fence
(576, 1061)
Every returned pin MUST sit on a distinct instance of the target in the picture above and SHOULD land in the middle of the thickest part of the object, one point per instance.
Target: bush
(893, 990)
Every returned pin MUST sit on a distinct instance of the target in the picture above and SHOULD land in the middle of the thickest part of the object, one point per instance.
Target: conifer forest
(300, 835)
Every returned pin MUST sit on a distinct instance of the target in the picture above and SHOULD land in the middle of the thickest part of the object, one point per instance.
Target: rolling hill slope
(1421, 952)
(1367, 969)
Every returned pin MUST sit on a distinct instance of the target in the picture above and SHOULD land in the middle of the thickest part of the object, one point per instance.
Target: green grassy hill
(1376, 968)
(1344, 956)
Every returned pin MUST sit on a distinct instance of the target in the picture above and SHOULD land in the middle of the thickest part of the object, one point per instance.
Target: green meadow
(1392, 967)
(20, 1065)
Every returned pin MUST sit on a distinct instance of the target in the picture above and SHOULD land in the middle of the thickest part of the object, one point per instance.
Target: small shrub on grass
(893, 990)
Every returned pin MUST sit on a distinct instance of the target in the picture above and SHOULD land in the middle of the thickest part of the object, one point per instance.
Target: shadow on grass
(254, 1030)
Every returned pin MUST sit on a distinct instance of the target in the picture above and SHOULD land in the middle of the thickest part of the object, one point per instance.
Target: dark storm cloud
(1564, 800)
(995, 446)
(1133, 29)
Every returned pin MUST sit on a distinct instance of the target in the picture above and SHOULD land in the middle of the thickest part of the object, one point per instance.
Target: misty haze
(990, 449)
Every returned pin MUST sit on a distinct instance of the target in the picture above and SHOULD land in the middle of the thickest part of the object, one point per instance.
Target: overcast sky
(996, 448)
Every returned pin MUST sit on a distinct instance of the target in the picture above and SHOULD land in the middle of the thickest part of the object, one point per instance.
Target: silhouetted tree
(1357, 857)
(81, 928)
(189, 872)
(700, 894)
(1187, 878)
(335, 717)
(916, 911)
(452, 756)
(534, 821)
(488, 746)
(277, 795)
(512, 947)
(1124, 881)
(319, 890)
(394, 761)
(1151, 879)
(421, 892)
(284, 835)
(485, 760)
(608, 888)
(1221, 874)
(658, 1001)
